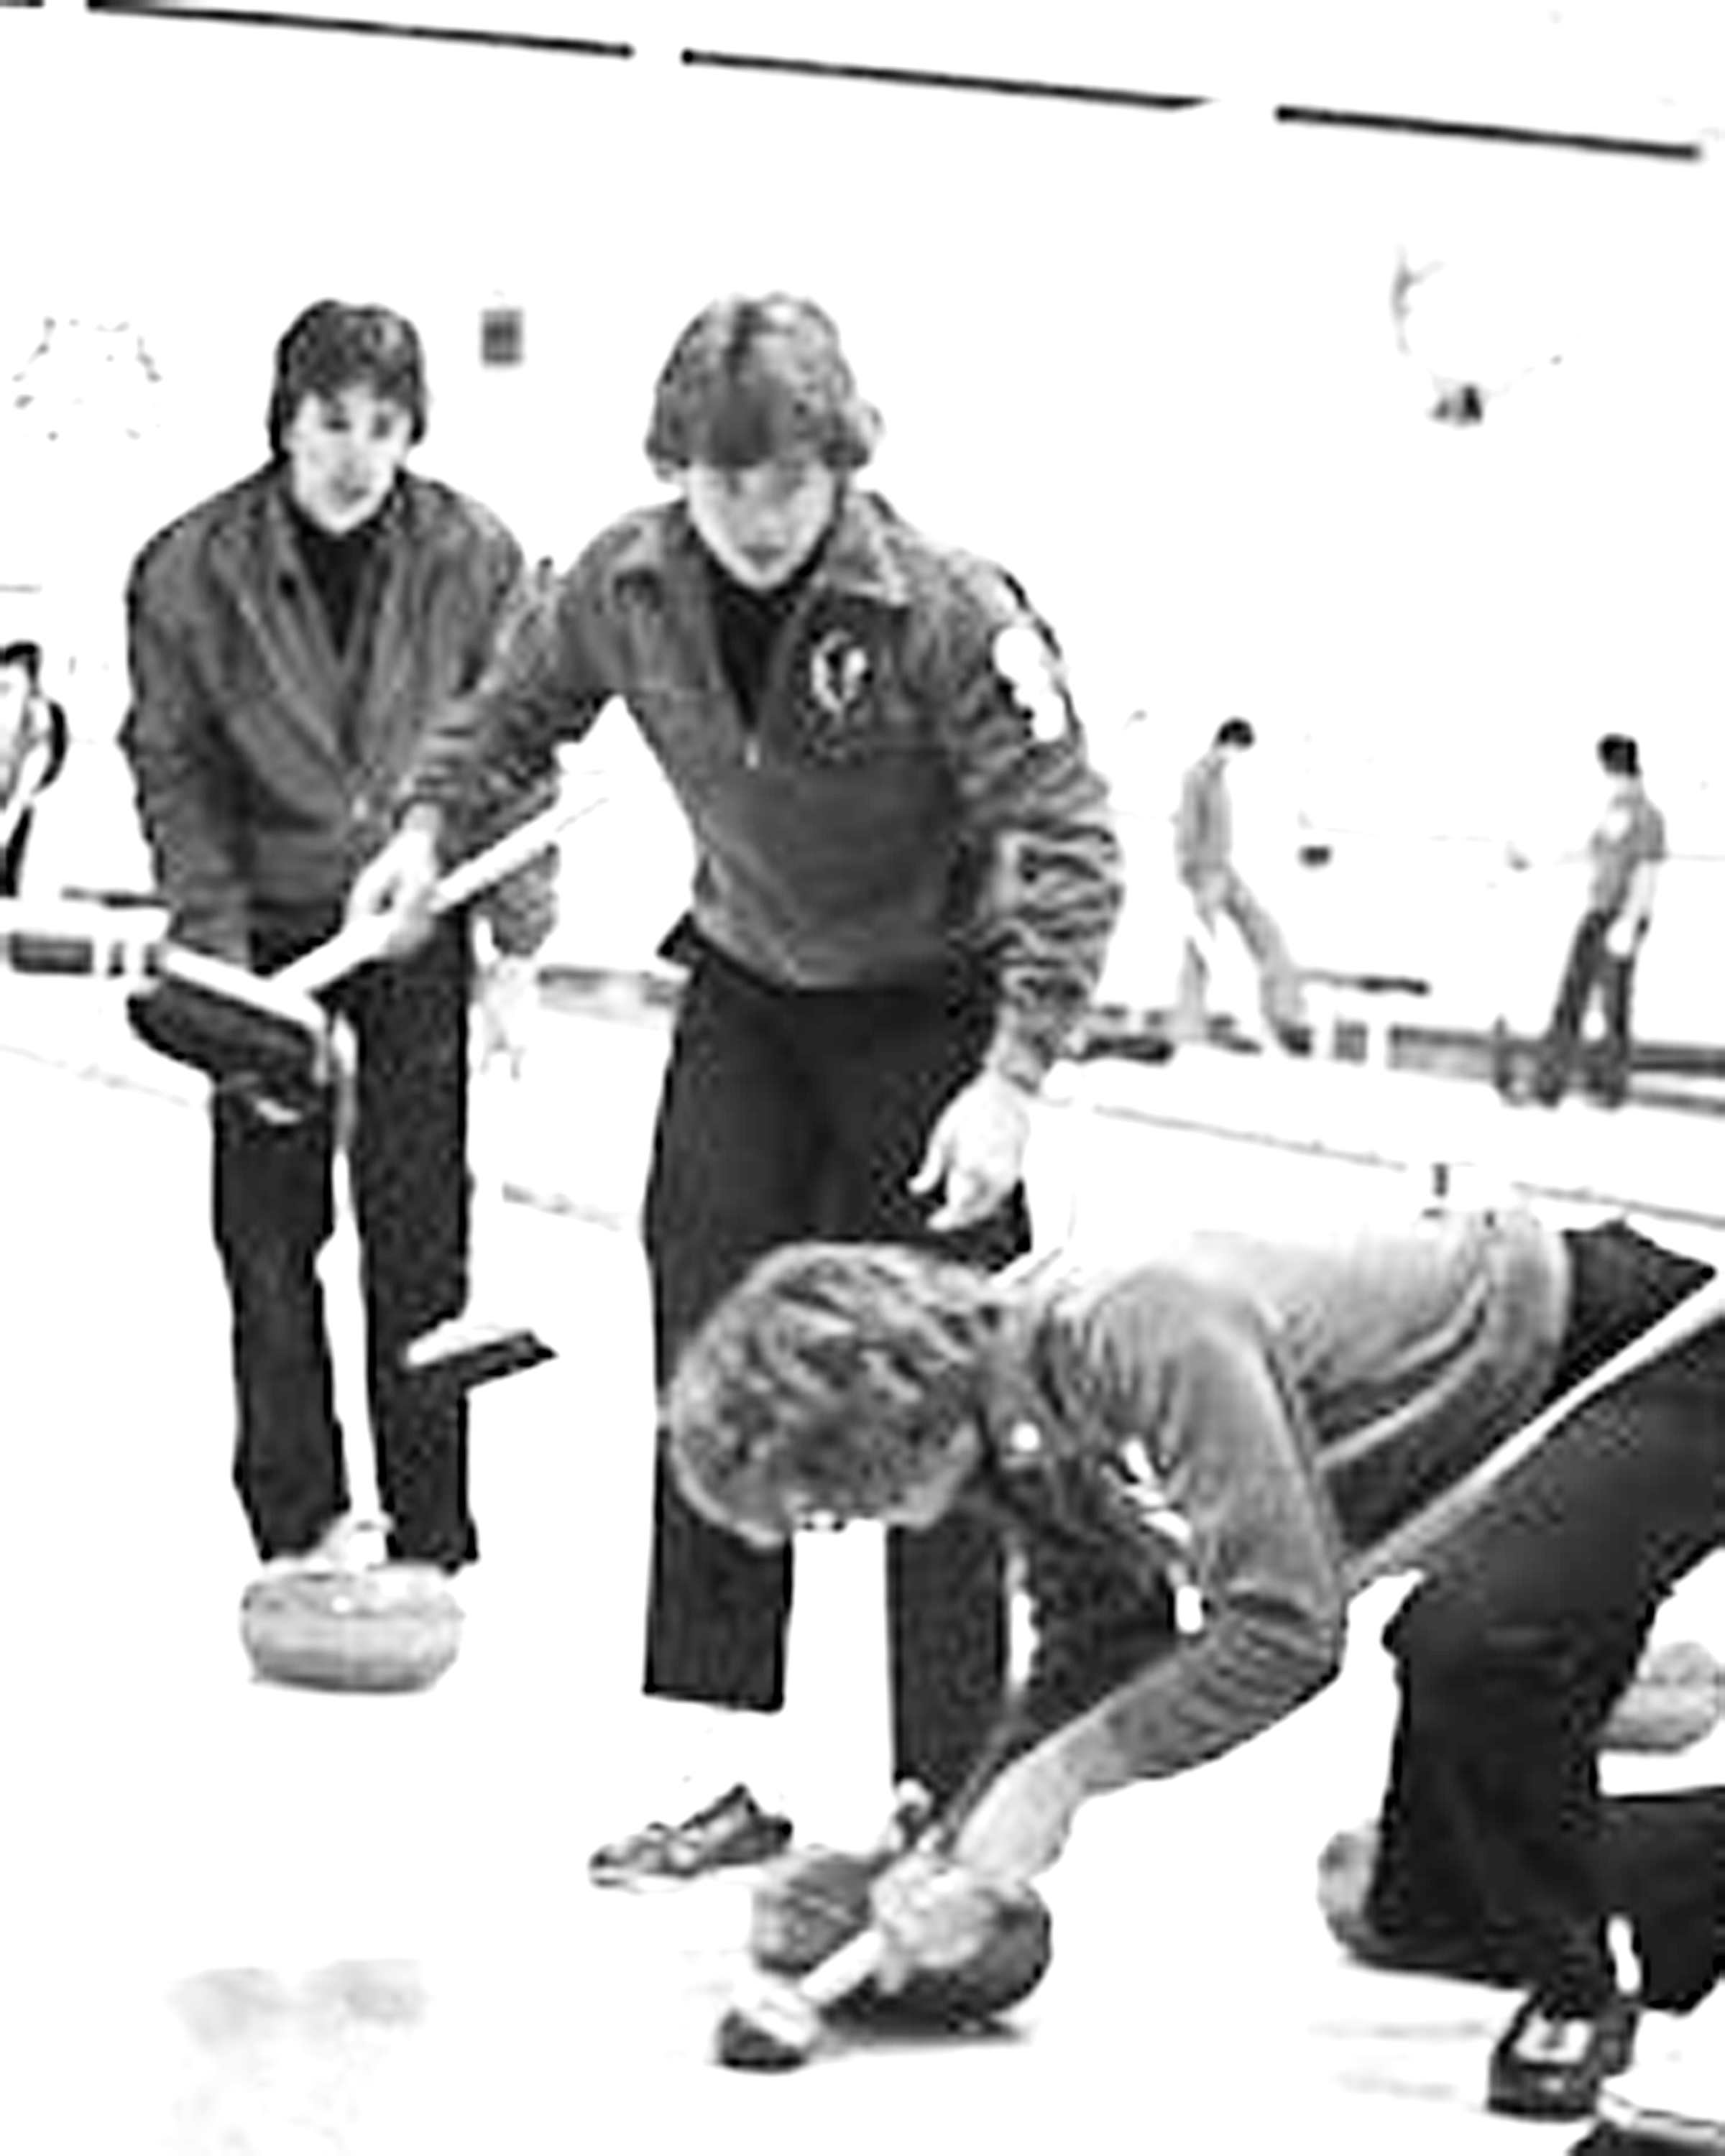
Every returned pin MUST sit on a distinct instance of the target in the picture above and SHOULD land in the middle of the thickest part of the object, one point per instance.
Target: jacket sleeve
(1038, 815)
(550, 676)
(1223, 1430)
(521, 911)
(183, 774)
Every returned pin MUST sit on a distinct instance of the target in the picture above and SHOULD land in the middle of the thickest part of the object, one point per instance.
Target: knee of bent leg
(1483, 1675)
(1442, 1645)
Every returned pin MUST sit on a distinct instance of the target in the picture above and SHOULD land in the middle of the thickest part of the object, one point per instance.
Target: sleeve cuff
(1018, 1062)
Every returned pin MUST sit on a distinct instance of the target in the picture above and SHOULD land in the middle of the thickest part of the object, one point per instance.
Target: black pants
(1496, 1844)
(12, 856)
(274, 1211)
(784, 1115)
(1590, 971)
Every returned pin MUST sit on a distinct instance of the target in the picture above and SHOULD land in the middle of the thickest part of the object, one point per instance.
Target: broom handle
(844, 1971)
(1408, 1544)
(359, 941)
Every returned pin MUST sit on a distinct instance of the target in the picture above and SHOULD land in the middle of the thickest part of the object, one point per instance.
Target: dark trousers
(786, 1115)
(272, 1203)
(11, 857)
(1496, 1844)
(1590, 971)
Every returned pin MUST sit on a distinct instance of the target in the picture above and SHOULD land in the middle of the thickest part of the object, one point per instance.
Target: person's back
(1631, 830)
(1204, 828)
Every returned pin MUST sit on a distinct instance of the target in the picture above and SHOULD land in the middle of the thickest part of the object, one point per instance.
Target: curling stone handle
(358, 942)
(845, 1970)
(861, 1958)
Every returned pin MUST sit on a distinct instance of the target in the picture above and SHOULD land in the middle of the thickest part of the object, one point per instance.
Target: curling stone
(770, 2030)
(1005, 1970)
(777, 2023)
(815, 1901)
(1675, 1697)
(340, 1622)
(1345, 1866)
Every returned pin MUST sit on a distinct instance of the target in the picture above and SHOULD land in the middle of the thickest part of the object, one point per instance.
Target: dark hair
(1619, 755)
(839, 1372)
(750, 379)
(331, 346)
(1235, 733)
(26, 655)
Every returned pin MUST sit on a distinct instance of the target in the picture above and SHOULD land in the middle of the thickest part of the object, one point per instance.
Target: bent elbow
(1318, 1660)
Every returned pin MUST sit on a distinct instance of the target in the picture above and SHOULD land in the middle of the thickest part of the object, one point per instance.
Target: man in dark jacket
(288, 640)
(1265, 1418)
(906, 876)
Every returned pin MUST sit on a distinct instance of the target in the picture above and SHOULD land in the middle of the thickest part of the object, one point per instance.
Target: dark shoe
(733, 1830)
(1550, 2063)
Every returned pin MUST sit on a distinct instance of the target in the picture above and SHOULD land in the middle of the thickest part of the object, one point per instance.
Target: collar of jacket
(1027, 1418)
(255, 555)
(259, 544)
(1049, 1464)
(860, 555)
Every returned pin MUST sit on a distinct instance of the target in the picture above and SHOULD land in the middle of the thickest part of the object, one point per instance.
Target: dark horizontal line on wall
(1671, 150)
(1486, 131)
(1180, 101)
(1000, 85)
(368, 26)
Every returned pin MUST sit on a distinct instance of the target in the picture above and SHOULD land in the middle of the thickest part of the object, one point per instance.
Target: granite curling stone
(1675, 1698)
(814, 1900)
(377, 1628)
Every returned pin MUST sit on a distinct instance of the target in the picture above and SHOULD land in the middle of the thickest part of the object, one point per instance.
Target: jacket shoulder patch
(1029, 665)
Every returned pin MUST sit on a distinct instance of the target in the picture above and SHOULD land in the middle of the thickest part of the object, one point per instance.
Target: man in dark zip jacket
(906, 878)
(288, 640)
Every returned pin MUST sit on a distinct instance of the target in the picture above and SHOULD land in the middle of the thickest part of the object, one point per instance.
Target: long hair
(752, 379)
(836, 1373)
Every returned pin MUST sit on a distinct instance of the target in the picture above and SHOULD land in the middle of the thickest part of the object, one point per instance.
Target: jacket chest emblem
(840, 672)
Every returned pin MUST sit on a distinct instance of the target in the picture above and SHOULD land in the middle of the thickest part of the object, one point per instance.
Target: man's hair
(1235, 733)
(752, 379)
(332, 346)
(837, 1371)
(1619, 754)
(26, 655)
